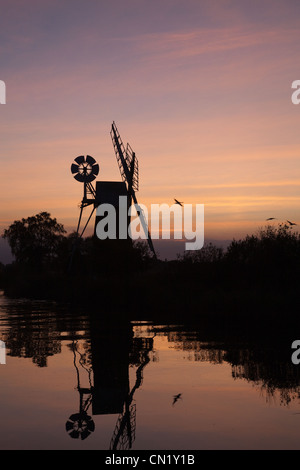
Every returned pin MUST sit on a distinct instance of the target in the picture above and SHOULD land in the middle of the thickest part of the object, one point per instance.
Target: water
(75, 381)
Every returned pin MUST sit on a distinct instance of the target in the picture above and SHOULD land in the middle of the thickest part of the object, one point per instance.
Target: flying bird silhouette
(176, 398)
(291, 223)
(178, 202)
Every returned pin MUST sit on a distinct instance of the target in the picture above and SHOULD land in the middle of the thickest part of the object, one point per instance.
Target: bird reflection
(176, 398)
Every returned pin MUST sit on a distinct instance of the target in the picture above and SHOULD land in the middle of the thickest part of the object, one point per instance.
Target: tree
(35, 240)
(208, 254)
(271, 256)
(270, 246)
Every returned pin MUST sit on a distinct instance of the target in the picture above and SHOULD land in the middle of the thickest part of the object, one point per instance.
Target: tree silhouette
(270, 257)
(35, 240)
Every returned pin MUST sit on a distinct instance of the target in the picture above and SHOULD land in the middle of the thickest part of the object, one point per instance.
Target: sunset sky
(200, 89)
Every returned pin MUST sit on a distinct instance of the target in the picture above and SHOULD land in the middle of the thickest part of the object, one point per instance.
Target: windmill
(85, 169)
(80, 425)
(129, 169)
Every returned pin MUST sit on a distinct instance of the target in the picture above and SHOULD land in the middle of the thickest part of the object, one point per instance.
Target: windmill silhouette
(80, 425)
(85, 169)
(103, 382)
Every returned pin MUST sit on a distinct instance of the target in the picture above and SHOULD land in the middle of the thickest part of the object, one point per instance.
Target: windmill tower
(85, 170)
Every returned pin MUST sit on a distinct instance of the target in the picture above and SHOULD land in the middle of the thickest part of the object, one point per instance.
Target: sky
(201, 90)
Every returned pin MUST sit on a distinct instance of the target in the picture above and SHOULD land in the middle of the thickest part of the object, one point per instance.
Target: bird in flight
(291, 223)
(176, 398)
(271, 218)
(178, 202)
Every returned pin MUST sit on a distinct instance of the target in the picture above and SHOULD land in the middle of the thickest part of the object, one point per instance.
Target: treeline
(48, 264)
(260, 271)
(269, 258)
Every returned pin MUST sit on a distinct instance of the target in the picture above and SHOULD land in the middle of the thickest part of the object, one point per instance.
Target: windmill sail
(85, 169)
(128, 166)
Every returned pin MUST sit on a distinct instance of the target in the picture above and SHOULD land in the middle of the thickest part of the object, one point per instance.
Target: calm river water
(77, 382)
